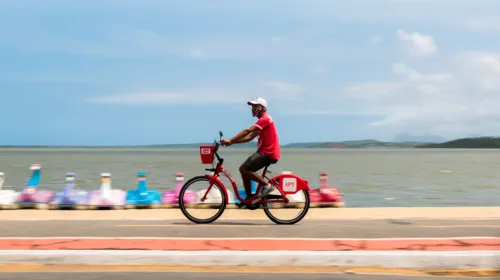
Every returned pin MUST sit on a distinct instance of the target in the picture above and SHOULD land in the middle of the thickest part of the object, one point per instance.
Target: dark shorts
(257, 161)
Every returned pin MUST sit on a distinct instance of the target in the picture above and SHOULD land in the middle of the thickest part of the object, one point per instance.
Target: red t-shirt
(268, 143)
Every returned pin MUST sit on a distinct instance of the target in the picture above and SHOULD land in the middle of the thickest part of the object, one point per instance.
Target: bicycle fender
(291, 184)
(216, 179)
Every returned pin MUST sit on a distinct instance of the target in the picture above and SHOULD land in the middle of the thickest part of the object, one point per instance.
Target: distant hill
(466, 143)
(406, 137)
(365, 143)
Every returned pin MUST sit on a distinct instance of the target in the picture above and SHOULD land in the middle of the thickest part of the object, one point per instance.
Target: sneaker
(251, 207)
(265, 191)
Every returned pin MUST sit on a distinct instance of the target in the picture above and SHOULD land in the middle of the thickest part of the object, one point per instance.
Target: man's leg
(249, 170)
(251, 164)
(247, 184)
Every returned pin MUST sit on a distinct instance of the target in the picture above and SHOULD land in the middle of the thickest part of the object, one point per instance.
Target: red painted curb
(478, 244)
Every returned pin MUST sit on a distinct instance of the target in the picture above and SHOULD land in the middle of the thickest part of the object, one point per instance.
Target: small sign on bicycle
(289, 184)
(205, 151)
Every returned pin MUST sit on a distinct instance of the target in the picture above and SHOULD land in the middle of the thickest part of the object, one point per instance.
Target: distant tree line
(467, 143)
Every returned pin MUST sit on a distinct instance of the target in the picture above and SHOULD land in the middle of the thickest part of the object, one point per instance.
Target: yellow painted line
(195, 225)
(462, 226)
(242, 269)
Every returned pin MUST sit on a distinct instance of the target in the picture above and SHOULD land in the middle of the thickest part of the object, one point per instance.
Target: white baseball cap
(258, 101)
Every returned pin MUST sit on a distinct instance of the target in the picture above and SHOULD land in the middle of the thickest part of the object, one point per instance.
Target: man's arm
(246, 135)
(245, 139)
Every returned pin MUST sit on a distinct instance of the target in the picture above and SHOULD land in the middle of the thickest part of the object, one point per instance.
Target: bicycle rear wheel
(288, 221)
(215, 187)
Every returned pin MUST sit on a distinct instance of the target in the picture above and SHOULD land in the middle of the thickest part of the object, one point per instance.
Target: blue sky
(149, 72)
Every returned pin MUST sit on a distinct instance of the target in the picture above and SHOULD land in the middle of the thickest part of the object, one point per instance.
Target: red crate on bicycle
(207, 154)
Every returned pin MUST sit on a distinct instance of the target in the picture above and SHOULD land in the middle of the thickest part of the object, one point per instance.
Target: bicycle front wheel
(216, 200)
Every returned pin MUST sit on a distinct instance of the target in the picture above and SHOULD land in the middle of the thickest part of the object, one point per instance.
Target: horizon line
(206, 143)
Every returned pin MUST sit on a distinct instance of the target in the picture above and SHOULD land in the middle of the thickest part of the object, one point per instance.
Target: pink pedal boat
(31, 196)
(170, 198)
(106, 197)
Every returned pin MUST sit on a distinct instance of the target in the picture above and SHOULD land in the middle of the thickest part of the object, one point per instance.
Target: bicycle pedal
(254, 207)
(274, 196)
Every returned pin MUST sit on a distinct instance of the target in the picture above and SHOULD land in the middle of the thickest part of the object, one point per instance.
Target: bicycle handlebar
(218, 143)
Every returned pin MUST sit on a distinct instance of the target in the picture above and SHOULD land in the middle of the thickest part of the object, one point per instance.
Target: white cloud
(169, 97)
(281, 90)
(460, 99)
(141, 98)
(420, 44)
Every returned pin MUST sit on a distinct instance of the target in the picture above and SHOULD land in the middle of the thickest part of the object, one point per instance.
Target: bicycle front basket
(207, 154)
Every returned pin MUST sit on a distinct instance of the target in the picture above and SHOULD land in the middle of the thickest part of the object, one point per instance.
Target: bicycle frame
(220, 169)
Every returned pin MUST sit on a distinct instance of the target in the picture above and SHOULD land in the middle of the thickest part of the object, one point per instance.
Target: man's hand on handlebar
(226, 142)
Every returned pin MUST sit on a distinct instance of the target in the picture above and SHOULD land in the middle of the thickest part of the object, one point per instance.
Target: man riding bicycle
(268, 148)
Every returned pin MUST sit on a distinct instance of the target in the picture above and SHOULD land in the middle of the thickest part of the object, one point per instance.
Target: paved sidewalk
(232, 214)
(439, 241)
(244, 229)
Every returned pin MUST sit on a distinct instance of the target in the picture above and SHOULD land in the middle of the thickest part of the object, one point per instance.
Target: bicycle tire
(183, 207)
(307, 203)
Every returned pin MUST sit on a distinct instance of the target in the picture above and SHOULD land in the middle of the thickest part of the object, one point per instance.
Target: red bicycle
(286, 184)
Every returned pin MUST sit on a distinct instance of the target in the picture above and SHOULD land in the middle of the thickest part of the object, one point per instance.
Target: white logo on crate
(205, 151)
(289, 184)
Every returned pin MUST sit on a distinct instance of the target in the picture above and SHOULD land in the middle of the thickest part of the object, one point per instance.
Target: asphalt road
(209, 276)
(307, 229)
